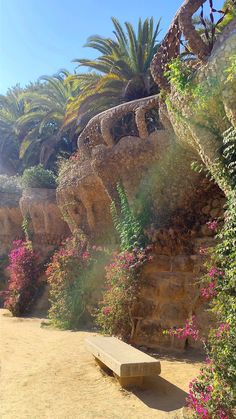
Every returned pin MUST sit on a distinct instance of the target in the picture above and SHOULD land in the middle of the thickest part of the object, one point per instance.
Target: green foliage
(221, 346)
(41, 124)
(179, 74)
(214, 391)
(10, 184)
(229, 153)
(231, 69)
(73, 275)
(120, 299)
(123, 280)
(126, 224)
(38, 177)
(120, 73)
(11, 108)
(26, 227)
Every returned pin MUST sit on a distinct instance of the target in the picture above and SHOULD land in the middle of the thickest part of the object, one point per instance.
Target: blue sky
(42, 36)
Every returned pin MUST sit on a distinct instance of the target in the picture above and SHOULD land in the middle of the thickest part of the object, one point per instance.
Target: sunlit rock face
(46, 225)
(171, 290)
(10, 220)
(155, 173)
(84, 202)
(200, 121)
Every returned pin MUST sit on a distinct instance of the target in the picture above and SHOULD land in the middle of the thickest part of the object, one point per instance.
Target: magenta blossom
(209, 291)
(189, 329)
(223, 328)
(215, 272)
(106, 310)
(212, 225)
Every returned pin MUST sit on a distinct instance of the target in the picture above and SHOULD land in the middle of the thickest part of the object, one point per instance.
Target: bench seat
(127, 363)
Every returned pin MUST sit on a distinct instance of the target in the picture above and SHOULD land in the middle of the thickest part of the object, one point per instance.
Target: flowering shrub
(23, 282)
(121, 292)
(188, 330)
(209, 291)
(212, 225)
(123, 279)
(212, 394)
(208, 396)
(72, 276)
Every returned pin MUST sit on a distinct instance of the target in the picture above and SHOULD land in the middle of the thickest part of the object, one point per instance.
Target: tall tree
(40, 125)
(120, 72)
(11, 108)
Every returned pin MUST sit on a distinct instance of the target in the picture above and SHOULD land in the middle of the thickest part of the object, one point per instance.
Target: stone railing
(135, 118)
(183, 32)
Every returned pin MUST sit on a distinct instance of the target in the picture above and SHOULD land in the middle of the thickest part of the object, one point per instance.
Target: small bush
(72, 276)
(123, 282)
(23, 282)
(10, 184)
(38, 177)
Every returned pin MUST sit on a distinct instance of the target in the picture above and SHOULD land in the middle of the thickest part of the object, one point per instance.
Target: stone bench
(129, 365)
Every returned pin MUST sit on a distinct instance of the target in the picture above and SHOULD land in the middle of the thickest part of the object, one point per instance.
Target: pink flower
(85, 255)
(106, 310)
(188, 330)
(213, 271)
(224, 327)
(212, 225)
(209, 291)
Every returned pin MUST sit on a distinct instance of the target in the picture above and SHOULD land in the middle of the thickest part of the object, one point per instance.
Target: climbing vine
(123, 280)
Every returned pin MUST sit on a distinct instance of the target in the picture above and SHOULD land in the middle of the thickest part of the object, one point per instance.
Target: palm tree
(11, 108)
(40, 125)
(120, 73)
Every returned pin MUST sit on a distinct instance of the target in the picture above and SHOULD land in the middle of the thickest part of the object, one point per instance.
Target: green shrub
(38, 177)
(213, 392)
(229, 153)
(10, 184)
(179, 74)
(72, 275)
(123, 280)
(231, 70)
(126, 224)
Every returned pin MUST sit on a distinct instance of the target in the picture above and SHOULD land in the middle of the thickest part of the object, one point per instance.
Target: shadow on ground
(160, 394)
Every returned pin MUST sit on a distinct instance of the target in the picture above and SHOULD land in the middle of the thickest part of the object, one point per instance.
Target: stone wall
(10, 220)
(47, 227)
(170, 293)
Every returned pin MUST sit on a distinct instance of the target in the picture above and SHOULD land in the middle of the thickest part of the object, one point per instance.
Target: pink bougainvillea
(189, 329)
(23, 282)
(212, 225)
(121, 291)
(205, 395)
(209, 291)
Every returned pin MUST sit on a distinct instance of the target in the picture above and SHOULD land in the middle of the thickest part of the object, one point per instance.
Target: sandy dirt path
(48, 374)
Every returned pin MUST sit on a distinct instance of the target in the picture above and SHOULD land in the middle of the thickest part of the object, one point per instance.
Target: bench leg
(125, 382)
(103, 366)
(128, 382)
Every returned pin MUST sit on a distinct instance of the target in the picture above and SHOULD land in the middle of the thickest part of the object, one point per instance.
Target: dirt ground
(48, 374)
